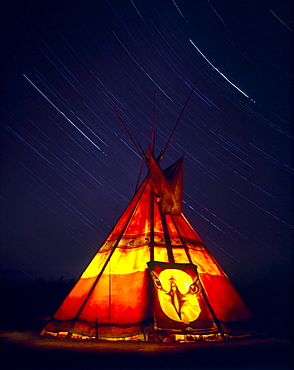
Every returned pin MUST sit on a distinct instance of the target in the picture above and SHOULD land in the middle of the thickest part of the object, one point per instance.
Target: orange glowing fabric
(114, 295)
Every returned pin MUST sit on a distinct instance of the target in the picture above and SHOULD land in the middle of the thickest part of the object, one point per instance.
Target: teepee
(152, 277)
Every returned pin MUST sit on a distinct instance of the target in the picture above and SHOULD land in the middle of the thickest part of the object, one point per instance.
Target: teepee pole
(176, 125)
(216, 321)
(139, 175)
(167, 238)
(182, 240)
(128, 133)
(153, 127)
(151, 243)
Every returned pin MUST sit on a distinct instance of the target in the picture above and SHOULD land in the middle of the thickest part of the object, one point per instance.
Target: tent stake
(96, 328)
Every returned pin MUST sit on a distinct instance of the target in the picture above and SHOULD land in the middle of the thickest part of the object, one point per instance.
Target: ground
(27, 350)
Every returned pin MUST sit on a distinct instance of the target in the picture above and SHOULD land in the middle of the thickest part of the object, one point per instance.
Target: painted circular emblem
(177, 293)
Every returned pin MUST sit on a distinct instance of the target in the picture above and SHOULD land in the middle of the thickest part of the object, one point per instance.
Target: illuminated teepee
(153, 276)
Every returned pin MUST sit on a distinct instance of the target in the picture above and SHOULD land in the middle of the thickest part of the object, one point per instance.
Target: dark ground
(26, 307)
(27, 350)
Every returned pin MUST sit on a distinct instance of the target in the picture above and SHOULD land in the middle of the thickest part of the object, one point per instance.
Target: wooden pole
(96, 328)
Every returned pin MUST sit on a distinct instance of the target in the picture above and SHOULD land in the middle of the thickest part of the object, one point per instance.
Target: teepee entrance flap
(179, 302)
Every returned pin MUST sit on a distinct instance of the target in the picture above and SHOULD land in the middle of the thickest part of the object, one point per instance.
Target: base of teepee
(159, 337)
(152, 337)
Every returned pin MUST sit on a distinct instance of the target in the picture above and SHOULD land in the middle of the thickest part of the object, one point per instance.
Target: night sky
(68, 169)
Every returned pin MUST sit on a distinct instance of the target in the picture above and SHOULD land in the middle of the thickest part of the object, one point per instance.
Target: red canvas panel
(180, 255)
(224, 299)
(71, 305)
(139, 223)
(188, 234)
(121, 295)
(73, 302)
(204, 262)
(120, 299)
(96, 265)
(123, 220)
(172, 231)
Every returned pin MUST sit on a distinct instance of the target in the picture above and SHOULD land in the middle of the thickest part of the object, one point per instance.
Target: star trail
(68, 169)
(230, 82)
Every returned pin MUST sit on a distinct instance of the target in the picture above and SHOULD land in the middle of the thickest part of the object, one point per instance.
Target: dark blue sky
(67, 167)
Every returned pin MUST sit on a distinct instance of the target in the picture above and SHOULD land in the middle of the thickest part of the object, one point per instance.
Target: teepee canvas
(153, 275)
